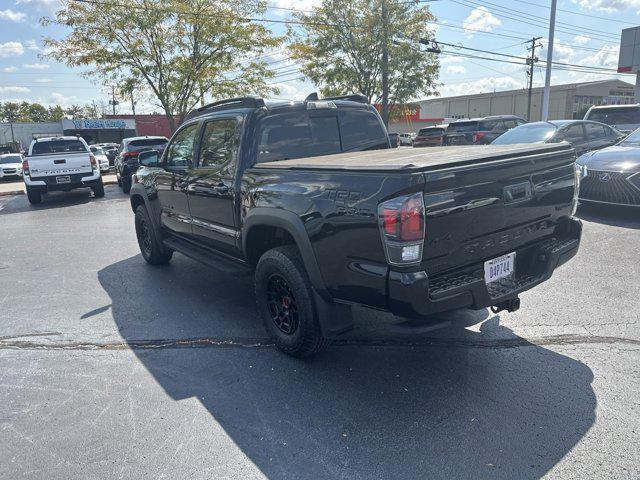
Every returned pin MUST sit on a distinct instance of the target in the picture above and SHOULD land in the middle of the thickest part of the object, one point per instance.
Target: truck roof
(422, 159)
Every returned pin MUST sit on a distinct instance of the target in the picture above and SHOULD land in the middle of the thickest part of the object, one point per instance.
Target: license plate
(63, 179)
(500, 267)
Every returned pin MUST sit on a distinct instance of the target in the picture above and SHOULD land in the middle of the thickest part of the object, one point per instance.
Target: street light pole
(385, 64)
(547, 78)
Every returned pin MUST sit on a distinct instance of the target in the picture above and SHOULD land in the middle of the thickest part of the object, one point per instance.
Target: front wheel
(151, 247)
(285, 301)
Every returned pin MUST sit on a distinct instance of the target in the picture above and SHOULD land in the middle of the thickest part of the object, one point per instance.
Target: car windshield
(462, 127)
(10, 159)
(147, 144)
(529, 133)
(58, 146)
(632, 139)
(616, 116)
(97, 150)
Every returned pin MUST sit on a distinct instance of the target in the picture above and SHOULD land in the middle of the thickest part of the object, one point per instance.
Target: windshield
(616, 116)
(462, 127)
(10, 159)
(147, 144)
(97, 150)
(58, 146)
(632, 139)
(529, 133)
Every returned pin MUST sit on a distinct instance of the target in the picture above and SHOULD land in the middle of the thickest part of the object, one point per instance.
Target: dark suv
(480, 131)
(126, 163)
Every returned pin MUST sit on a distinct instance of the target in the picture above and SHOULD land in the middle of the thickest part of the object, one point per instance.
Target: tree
(55, 113)
(181, 49)
(37, 113)
(75, 111)
(341, 45)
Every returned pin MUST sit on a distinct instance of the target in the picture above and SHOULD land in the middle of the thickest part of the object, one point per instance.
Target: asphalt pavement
(111, 368)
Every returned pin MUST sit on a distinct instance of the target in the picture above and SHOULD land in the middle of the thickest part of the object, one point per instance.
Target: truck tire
(34, 195)
(285, 301)
(151, 247)
(98, 189)
(126, 183)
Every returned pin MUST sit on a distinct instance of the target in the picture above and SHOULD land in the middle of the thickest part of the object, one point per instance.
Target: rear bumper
(78, 180)
(415, 295)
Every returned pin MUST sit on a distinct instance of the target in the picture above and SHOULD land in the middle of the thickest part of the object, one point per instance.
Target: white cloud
(609, 6)
(450, 59)
(14, 90)
(480, 20)
(607, 57)
(455, 69)
(12, 16)
(9, 69)
(36, 66)
(483, 85)
(43, 80)
(32, 45)
(293, 90)
(581, 39)
(11, 49)
(62, 100)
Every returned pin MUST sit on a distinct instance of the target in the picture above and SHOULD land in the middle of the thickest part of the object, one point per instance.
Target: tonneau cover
(417, 159)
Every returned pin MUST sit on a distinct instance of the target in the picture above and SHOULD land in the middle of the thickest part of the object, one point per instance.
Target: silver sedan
(612, 175)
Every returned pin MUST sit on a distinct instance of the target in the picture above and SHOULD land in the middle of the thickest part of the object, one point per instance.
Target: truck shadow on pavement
(452, 410)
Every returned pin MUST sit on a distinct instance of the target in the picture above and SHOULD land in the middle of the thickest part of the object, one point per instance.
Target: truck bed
(418, 159)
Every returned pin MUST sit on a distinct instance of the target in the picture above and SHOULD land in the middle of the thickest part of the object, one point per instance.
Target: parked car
(10, 166)
(625, 118)
(406, 139)
(126, 163)
(101, 157)
(480, 131)
(394, 140)
(236, 185)
(430, 136)
(60, 163)
(110, 150)
(612, 175)
(583, 136)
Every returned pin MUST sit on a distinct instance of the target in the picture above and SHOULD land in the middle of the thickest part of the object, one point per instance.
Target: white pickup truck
(60, 163)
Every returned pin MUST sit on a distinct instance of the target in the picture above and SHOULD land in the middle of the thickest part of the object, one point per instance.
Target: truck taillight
(25, 167)
(402, 225)
(94, 162)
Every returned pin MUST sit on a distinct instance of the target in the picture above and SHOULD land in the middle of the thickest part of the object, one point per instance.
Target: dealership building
(568, 101)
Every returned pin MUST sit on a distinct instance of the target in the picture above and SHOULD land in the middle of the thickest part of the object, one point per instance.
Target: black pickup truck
(414, 232)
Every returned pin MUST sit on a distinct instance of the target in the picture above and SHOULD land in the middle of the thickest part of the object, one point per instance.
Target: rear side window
(58, 146)
(297, 135)
(573, 134)
(462, 127)
(361, 129)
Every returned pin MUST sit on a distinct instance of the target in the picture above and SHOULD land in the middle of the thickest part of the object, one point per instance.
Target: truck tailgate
(481, 211)
(67, 163)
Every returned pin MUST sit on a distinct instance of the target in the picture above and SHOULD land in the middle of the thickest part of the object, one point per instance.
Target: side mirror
(150, 158)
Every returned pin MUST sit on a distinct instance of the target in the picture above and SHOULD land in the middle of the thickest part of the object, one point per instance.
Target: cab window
(219, 145)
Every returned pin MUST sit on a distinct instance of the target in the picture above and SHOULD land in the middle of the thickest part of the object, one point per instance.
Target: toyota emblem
(605, 177)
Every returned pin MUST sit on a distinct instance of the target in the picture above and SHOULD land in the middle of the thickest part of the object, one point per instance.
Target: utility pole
(531, 62)
(385, 64)
(113, 102)
(547, 78)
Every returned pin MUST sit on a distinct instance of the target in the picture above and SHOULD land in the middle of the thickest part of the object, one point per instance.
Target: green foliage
(35, 112)
(180, 50)
(340, 47)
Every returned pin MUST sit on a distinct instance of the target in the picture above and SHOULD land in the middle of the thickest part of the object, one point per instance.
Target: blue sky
(588, 34)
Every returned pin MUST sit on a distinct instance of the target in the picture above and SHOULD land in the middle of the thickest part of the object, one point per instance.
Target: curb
(22, 192)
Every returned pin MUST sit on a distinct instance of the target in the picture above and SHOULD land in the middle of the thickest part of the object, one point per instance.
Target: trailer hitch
(508, 305)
